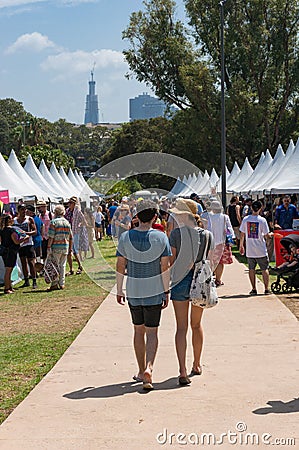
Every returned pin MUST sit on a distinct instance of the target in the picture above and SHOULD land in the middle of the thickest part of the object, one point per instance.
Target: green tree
(137, 137)
(4, 134)
(262, 68)
(48, 154)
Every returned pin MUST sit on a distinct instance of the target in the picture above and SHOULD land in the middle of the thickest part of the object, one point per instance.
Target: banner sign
(4, 197)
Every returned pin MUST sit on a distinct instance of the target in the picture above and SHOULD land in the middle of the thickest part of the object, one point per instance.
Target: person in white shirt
(254, 229)
(220, 226)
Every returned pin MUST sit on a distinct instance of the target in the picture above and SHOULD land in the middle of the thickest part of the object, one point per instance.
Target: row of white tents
(276, 175)
(30, 181)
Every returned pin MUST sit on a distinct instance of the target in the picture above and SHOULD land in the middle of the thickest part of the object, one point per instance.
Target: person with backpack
(188, 243)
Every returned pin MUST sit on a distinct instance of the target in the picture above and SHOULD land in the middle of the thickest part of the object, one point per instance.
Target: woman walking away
(220, 226)
(89, 217)
(188, 243)
(10, 243)
(99, 219)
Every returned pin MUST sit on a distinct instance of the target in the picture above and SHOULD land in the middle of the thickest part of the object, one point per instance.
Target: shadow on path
(237, 297)
(115, 390)
(279, 407)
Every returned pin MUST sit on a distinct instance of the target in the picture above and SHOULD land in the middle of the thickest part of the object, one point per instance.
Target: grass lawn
(37, 327)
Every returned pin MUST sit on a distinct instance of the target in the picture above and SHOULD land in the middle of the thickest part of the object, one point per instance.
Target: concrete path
(250, 381)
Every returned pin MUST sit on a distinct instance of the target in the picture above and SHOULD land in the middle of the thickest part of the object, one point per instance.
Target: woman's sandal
(70, 272)
(8, 291)
(195, 372)
(184, 381)
(79, 271)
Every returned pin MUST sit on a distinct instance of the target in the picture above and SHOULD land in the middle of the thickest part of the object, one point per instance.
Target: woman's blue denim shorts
(181, 291)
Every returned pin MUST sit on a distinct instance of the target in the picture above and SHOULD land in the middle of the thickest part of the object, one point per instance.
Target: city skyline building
(92, 106)
(146, 107)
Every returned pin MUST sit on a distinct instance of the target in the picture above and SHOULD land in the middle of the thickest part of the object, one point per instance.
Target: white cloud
(11, 3)
(68, 63)
(35, 42)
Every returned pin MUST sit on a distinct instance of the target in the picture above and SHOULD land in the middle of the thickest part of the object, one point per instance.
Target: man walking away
(144, 252)
(59, 243)
(254, 229)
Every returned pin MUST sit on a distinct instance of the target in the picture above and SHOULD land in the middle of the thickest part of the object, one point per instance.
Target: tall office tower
(92, 108)
(146, 107)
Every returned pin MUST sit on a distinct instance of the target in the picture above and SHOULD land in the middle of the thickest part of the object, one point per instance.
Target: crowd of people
(160, 266)
(158, 244)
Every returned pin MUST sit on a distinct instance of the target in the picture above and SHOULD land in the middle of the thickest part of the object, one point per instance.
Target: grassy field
(37, 327)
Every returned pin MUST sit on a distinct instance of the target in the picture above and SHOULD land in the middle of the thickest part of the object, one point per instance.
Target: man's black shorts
(146, 315)
(27, 252)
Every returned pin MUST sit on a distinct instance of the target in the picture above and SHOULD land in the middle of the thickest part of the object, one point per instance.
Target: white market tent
(244, 175)
(23, 176)
(214, 178)
(73, 180)
(288, 179)
(67, 181)
(270, 175)
(31, 169)
(9, 180)
(258, 174)
(219, 183)
(86, 189)
(233, 175)
(55, 174)
(50, 180)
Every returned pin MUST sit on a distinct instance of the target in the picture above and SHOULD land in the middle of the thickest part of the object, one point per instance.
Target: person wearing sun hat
(220, 225)
(188, 243)
(76, 218)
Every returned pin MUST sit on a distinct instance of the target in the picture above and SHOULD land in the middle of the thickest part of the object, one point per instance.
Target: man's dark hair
(146, 210)
(256, 205)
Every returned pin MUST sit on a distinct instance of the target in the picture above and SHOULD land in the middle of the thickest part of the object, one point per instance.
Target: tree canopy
(61, 142)
(181, 63)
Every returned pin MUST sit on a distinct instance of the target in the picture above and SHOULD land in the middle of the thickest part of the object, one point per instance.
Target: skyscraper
(146, 107)
(92, 108)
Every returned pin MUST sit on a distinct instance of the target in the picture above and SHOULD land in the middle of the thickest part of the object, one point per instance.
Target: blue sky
(48, 47)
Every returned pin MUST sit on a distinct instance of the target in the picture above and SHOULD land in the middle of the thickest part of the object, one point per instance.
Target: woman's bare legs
(7, 279)
(218, 273)
(181, 309)
(197, 336)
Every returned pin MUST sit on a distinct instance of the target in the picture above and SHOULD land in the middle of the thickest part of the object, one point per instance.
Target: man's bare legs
(265, 274)
(197, 337)
(181, 309)
(252, 278)
(139, 347)
(151, 347)
(145, 350)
